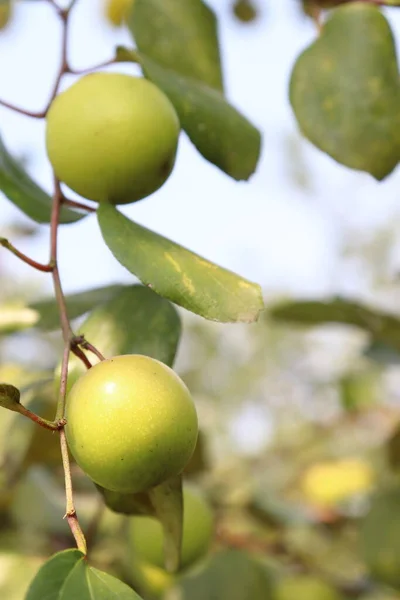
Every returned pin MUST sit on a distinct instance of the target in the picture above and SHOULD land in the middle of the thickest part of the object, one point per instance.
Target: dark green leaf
(134, 321)
(88, 583)
(383, 327)
(9, 397)
(50, 578)
(167, 500)
(178, 274)
(345, 90)
(77, 305)
(220, 133)
(180, 35)
(231, 574)
(22, 191)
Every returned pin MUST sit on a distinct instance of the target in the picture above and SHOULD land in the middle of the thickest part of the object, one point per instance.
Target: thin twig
(74, 204)
(70, 514)
(87, 346)
(102, 65)
(26, 259)
(51, 425)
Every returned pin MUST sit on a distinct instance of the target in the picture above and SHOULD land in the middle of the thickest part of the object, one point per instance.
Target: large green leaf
(77, 304)
(345, 90)
(383, 327)
(220, 133)
(134, 321)
(22, 191)
(230, 574)
(67, 576)
(88, 583)
(180, 35)
(50, 578)
(177, 273)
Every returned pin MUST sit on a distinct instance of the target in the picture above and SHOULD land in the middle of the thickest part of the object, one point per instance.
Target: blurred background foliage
(299, 452)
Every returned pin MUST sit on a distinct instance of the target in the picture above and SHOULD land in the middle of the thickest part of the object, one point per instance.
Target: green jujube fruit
(112, 137)
(131, 423)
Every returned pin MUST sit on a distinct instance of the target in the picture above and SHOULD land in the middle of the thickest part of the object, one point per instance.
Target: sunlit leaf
(345, 90)
(163, 28)
(177, 273)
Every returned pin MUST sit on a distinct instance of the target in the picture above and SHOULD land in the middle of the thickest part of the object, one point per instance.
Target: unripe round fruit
(112, 137)
(131, 423)
(147, 537)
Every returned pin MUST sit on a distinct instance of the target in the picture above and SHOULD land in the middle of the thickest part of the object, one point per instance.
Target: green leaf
(67, 576)
(382, 354)
(383, 327)
(134, 321)
(345, 90)
(77, 305)
(88, 583)
(230, 574)
(178, 274)
(180, 35)
(52, 575)
(9, 397)
(22, 191)
(167, 500)
(220, 133)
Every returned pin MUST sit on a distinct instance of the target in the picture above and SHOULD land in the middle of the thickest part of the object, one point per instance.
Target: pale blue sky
(268, 230)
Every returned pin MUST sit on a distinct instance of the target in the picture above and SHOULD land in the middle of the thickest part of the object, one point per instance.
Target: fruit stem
(80, 205)
(26, 259)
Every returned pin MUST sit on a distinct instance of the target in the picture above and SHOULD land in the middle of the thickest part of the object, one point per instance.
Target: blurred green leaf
(134, 321)
(359, 390)
(177, 273)
(180, 35)
(167, 500)
(127, 504)
(220, 132)
(16, 318)
(230, 574)
(22, 191)
(51, 577)
(77, 305)
(345, 90)
(383, 327)
(382, 354)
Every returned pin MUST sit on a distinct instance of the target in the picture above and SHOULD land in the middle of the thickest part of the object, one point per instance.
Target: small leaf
(383, 327)
(52, 575)
(167, 500)
(22, 191)
(177, 273)
(88, 583)
(9, 397)
(230, 574)
(134, 321)
(345, 90)
(163, 28)
(220, 133)
(77, 305)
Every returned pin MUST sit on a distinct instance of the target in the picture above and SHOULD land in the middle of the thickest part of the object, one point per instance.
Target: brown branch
(26, 259)
(107, 63)
(87, 346)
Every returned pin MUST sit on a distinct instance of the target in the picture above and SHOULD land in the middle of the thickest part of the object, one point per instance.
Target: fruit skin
(146, 534)
(152, 581)
(131, 423)
(116, 11)
(305, 587)
(112, 137)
